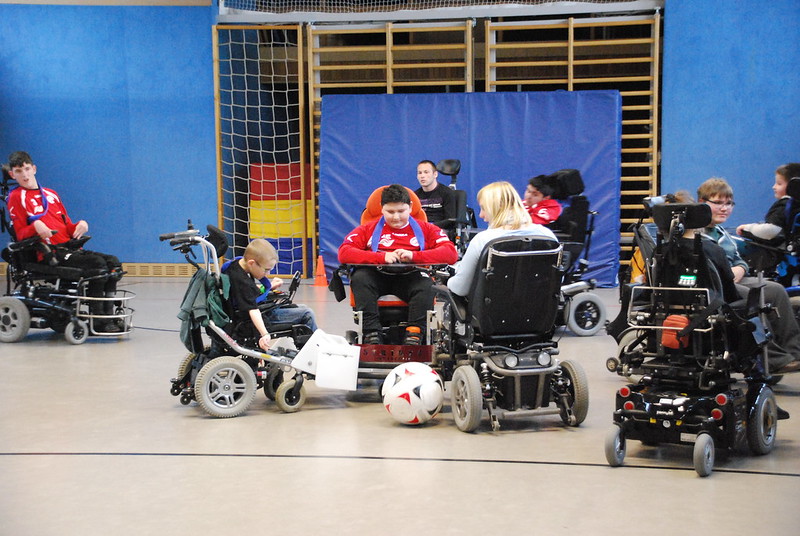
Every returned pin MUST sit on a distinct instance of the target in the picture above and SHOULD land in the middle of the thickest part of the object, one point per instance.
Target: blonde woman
(502, 208)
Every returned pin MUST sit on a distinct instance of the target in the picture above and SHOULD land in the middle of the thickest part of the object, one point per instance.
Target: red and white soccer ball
(413, 393)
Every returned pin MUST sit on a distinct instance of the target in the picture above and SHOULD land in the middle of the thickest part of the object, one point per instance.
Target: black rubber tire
(762, 423)
(286, 400)
(273, 381)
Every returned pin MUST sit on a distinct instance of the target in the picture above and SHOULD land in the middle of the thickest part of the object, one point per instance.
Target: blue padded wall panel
(116, 106)
(371, 140)
(731, 97)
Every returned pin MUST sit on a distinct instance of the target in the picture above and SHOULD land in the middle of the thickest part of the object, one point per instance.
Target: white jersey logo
(386, 241)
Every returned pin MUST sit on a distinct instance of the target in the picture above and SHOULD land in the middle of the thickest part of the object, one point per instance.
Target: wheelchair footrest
(395, 353)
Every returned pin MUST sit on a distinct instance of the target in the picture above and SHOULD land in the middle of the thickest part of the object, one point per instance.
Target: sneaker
(373, 337)
(107, 326)
(413, 336)
(782, 414)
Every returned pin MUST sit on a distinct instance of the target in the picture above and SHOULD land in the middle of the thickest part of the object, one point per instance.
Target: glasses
(259, 265)
(721, 204)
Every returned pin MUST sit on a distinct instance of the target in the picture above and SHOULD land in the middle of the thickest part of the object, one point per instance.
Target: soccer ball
(413, 393)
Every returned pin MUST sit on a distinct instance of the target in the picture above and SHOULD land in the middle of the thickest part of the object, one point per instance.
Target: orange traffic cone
(320, 279)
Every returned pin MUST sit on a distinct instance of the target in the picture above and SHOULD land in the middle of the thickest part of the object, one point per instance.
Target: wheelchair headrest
(686, 215)
(217, 238)
(8, 181)
(793, 188)
(565, 183)
(373, 209)
(449, 167)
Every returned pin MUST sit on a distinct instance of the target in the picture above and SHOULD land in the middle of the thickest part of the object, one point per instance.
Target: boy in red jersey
(541, 206)
(36, 210)
(395, 238)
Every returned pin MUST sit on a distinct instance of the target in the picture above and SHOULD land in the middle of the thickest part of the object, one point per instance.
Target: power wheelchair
(377, 360)
(496, 346)
(223, 376)
(702, 362)
(779, 257)
(49, 295)
(580, 309)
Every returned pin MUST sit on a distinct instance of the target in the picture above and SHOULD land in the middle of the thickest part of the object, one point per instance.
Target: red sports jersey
(357, 245)
(545, 211)
(23, 204)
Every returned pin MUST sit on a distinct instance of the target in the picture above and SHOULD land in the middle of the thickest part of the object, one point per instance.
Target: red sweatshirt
(545, 211)
(357, 245)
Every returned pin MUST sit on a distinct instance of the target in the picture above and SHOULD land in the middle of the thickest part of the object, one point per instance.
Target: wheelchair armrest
(774, 243)
(458, 304)
(27, 243)
(75, 243)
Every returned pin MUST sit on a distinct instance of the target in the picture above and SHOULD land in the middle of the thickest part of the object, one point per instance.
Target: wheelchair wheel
(225, 387)
(287, 400)
(183, 369)
(578, 391)
(762, 423)
(585, 314)
(794, 301)
(613, 363)
(15, 319)
(703, 456)
(466, 399)
(186, 364)
(615, 447)
(77, 331)
(273, 381)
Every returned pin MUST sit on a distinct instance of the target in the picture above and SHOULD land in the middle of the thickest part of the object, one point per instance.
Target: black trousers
(93, 263)
(367, 284)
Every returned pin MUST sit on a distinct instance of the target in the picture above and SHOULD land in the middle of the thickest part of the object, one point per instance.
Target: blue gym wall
(116, 107)
(731, 96)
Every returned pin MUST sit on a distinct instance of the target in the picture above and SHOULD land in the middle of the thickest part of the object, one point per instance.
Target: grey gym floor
(92, 442)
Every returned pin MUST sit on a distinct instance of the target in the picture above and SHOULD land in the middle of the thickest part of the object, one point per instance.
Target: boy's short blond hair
(260, 251)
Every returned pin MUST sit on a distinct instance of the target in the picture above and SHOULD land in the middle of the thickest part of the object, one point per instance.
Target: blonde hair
(260, 251)
(503, 206)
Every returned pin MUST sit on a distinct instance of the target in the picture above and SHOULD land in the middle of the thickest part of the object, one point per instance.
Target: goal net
(266, 186)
